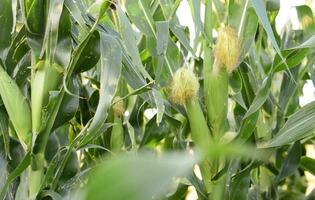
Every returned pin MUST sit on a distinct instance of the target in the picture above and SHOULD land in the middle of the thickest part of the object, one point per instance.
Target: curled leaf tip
(184, 86)
(227, 49)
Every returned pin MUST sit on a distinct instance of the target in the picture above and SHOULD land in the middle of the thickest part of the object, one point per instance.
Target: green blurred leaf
(137, 177)
(239, 187)
(51, 30)
(308, 164)
(154, 132)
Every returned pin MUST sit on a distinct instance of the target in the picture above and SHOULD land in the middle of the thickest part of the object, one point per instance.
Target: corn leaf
(300, 125)
(17, 107)
(260, 98)
(110, 68)
(6, 22)
(308, 164)
(159, 172)
(15, 173)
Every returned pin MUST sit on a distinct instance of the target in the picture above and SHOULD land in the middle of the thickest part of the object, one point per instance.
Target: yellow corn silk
(184, 91)
(227, 49)
(184, 86)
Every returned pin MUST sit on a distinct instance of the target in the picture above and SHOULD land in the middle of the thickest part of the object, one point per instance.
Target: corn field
(119, 100)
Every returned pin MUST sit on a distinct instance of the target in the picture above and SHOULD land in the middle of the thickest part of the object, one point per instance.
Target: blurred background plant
(157, 99)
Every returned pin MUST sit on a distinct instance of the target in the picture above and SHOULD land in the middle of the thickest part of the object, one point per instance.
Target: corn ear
(216, 83)
(119, 106)
(216, 99)
(46, 77)
(198, 125)
(17, 107)
(117, 135)
(184, 91)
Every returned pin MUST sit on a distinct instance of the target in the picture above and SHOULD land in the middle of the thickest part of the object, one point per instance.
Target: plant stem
(35, 175)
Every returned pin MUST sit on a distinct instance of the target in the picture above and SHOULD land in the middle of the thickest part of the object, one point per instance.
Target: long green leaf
(110, 65)
(130, 43)
(260, 98)
(17, 107)
(262, 15)
(300, 125)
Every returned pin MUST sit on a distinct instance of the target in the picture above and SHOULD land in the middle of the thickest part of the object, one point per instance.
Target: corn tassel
(184, 91)
(17, 107)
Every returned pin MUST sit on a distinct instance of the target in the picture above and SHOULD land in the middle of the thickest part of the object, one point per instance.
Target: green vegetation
(114, 100)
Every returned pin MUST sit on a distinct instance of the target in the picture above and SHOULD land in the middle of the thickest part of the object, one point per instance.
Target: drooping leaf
(260, 9)
(129, 41)
(110, 66)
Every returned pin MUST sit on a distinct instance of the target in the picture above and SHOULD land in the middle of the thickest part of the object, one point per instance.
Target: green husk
(45, 78)
(117, 135)
(217, 100)
(17, 107)
(198, 125)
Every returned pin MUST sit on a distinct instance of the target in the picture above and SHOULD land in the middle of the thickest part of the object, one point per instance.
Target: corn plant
(116, 100)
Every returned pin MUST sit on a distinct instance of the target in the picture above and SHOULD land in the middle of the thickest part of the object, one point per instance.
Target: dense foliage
(115, 100)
